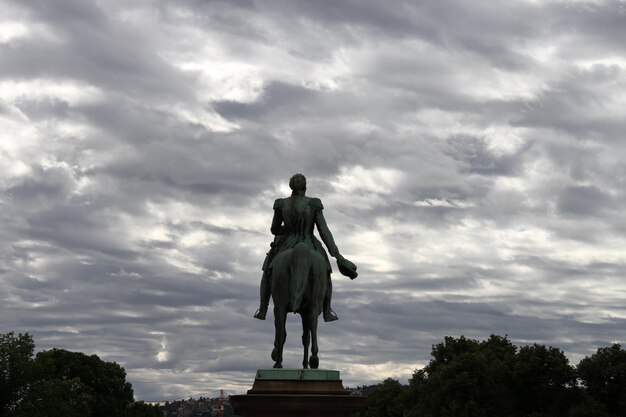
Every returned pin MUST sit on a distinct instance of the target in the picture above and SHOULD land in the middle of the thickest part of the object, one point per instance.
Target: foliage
(55, 398)
(61, 383)
(494, 378)
(102, 384)
(544, 383)
(466, 378)
(603, 374)
(16, 354)
(386, 399)
(141, 409)
(588, 407)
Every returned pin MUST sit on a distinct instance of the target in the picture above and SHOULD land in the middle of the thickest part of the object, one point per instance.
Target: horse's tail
(300, 267)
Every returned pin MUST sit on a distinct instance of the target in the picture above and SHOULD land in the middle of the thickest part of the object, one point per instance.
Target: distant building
(201, 407)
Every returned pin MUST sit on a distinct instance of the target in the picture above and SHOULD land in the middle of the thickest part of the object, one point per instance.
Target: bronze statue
(296, 271)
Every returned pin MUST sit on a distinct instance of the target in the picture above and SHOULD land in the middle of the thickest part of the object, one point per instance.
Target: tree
(98, 385)
(493, 378)
(465, 378)
(16, 354)
(603, 375)
(385, 399)
(544, 383)
(59, 383)
(55, 398)
(141, 409)
(588, 407)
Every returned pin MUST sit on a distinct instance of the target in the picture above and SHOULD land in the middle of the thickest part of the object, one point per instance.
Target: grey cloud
(96, 50)
(274, 96)
(575, 105)
(364, 13)
(49, 185)
(477, 158)
(43, 109)
(420, 322)
(601, 25)
(74, 228)
(581, 201)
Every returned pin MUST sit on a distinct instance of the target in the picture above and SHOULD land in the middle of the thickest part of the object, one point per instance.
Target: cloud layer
(470, 156)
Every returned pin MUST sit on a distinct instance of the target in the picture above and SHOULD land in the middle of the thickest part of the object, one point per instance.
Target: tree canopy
(494, 378)
(386, 399)
(61, 383)
(15, 369)
(603, 375)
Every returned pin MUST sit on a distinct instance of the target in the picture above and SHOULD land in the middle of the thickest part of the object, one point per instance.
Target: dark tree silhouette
(60, 383)
(603, 374)
(385, 399)
(16, 369)
(465, 378)
(544, 383)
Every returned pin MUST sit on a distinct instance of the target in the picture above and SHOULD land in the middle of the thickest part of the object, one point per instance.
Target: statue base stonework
(297, 392)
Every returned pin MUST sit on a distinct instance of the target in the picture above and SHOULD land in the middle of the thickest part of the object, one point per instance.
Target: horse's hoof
(314, 362)
(274, 355)
(278, 365)
(305, 365)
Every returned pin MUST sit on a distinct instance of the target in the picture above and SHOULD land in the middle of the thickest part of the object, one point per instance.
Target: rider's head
(298, 183)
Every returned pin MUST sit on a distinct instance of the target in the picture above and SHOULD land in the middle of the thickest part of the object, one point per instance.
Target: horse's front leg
(280, 335)
(306, 339)
(314, 361)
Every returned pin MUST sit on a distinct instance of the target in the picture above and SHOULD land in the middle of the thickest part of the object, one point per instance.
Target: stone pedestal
(297, 392)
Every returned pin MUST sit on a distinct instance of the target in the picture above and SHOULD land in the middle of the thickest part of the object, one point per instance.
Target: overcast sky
(469, 155)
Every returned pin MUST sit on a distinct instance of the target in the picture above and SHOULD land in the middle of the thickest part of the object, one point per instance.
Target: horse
(298, 285)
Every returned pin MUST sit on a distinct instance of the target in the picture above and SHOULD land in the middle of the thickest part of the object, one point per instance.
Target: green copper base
(290, 374)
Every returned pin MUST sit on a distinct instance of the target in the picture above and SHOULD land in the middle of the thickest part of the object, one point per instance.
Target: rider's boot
(265, 297)
(329, 314)
(261, 312)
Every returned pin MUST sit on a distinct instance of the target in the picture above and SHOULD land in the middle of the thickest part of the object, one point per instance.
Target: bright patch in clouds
(358, 179)
(163, 355)
(12, 30)
(42, 89)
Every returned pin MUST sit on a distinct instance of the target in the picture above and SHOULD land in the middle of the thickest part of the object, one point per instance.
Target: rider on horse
(293, 222)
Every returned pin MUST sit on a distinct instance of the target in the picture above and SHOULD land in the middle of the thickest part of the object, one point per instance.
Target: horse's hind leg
(306, 339)
(280, 335)
(314, 361)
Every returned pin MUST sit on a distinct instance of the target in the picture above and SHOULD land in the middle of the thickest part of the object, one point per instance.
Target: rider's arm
(323, 230)
(277, 222)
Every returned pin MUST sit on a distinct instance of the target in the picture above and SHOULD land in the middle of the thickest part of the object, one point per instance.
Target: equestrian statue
(296, 271)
